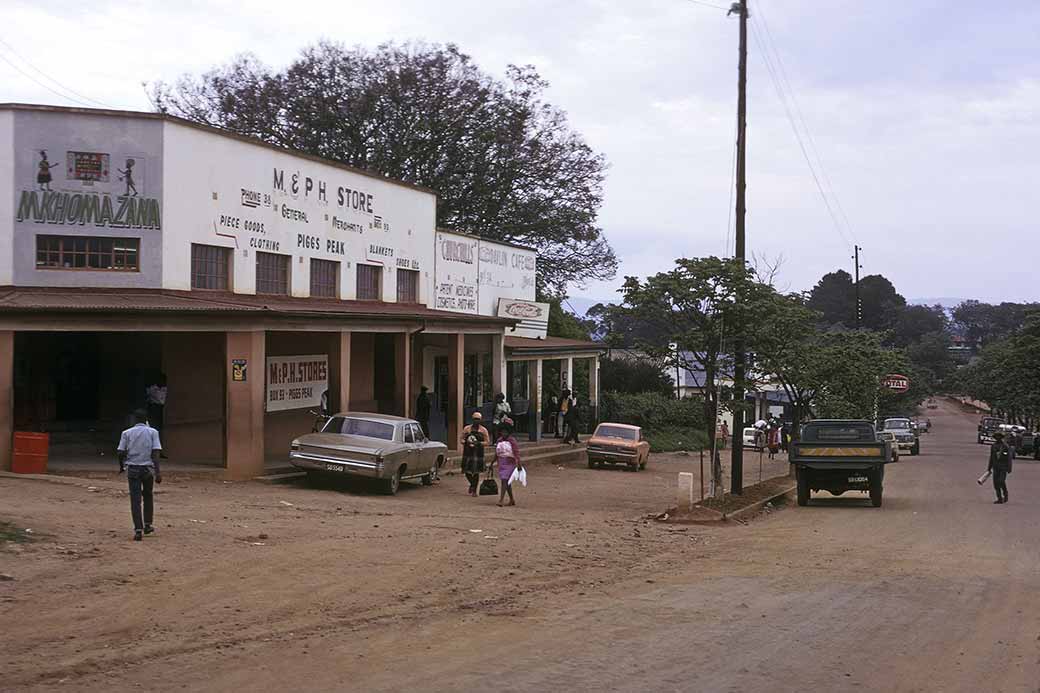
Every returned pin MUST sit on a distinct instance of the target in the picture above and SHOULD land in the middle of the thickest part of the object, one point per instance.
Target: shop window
(469, 380)
(407, 286)
(369, 282)
(516, 379)
(88, 253)
(210, 267)
(324, 278)
(272, 273)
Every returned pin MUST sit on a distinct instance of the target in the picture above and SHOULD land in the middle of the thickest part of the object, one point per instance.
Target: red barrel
(30, 452)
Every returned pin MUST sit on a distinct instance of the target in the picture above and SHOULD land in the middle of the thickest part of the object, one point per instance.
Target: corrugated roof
(41, 299)
(551, 344)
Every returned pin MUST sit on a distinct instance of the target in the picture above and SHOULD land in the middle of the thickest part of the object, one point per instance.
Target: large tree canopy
(504, 163)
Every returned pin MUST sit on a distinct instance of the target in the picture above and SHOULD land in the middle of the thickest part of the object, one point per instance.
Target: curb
(757, 506)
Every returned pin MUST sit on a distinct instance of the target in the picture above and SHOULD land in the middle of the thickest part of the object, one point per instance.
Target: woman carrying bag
(507, 451)
(474, 438)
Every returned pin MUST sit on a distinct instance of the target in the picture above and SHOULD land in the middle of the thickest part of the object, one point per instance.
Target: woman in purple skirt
(507, 451)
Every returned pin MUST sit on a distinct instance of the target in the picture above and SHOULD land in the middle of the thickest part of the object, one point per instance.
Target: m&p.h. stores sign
(296, 382)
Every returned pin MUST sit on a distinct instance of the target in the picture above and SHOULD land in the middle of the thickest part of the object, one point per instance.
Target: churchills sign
(89, 208)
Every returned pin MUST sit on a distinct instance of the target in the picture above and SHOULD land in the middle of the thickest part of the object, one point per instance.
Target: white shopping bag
(518, 475)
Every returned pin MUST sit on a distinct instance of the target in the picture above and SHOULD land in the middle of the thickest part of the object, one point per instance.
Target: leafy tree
(686, 317)
(834, 298)
(505, 164)
(632, 376)
(912, 323)
(1006, 374)
(983, 322)
(563, 323)
(882, 304)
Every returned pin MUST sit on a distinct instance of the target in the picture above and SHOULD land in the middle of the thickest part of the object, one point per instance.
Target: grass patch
(674, 439)
(9, 532)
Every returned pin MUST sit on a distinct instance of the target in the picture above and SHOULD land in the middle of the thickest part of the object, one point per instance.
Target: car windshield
(837, 432)
(616, 432)
(895, 424)
(359, 427)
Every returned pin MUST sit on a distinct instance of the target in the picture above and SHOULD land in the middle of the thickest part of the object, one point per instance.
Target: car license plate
(329, 467)
(858, 480)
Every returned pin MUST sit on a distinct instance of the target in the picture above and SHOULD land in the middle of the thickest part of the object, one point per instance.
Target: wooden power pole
(740, 254)
(859, 301)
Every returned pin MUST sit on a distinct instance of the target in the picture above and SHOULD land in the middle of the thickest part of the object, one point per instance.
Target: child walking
(507, 451)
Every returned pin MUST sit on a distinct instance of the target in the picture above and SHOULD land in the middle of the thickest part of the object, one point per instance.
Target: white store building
(139, 246)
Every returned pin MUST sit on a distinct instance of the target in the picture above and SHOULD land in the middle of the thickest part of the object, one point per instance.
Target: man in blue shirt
(138, 452)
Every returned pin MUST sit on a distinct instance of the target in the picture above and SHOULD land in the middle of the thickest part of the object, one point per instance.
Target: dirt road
(936, 591)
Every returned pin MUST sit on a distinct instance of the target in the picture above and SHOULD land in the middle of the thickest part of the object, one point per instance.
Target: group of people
(566, 417)
(475, 438)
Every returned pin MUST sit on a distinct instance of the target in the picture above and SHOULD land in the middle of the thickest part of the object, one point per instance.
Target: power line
(708, 4)
(76, 96)
(801, 117)
(798, 136)
(45, 86)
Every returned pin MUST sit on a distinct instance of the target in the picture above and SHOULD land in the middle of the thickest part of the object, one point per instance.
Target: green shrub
(674, 439)
(652, 411)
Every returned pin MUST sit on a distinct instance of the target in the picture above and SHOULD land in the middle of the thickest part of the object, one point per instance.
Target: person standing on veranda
(155, 397)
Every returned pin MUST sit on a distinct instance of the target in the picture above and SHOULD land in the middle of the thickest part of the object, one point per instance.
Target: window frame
(378, 271)
(80, 247)
(286, 260)
(413, 280)
(332, 266)
(228, 254)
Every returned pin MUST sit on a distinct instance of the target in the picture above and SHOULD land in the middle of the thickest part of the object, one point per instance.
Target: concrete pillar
(456, 371)
(339, 371)
(593, 391)
(6, 399)
(244, 420)
(403, 373)
(498, 365)
(535, 392)
(415, 378)
(684, 492)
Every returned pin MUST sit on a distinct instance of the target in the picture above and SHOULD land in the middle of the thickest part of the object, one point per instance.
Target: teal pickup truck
(839, 455)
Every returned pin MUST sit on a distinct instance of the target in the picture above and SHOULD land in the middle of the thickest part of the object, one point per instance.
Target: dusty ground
(572, 590)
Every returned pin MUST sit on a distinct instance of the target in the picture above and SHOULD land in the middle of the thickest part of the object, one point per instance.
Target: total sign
(896, 383)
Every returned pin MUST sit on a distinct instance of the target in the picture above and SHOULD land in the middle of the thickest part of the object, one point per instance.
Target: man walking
(1000, 457)
(138, 452)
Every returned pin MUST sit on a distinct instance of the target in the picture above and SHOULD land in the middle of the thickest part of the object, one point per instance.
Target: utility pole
(740, 254)
(859, 302)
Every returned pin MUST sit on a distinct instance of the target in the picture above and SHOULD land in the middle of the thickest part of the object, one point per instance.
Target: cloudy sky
(921, 117)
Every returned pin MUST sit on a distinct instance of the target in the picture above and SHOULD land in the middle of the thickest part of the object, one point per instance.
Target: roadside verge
(733, 508)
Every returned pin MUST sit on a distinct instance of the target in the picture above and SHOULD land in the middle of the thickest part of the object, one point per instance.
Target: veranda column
(6, 398)
(456, 371)
(244, 417)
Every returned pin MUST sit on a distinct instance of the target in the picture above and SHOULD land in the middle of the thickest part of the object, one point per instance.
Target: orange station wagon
(615, 443)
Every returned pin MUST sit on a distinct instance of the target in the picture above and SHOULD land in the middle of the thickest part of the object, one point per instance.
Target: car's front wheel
(393, 483)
